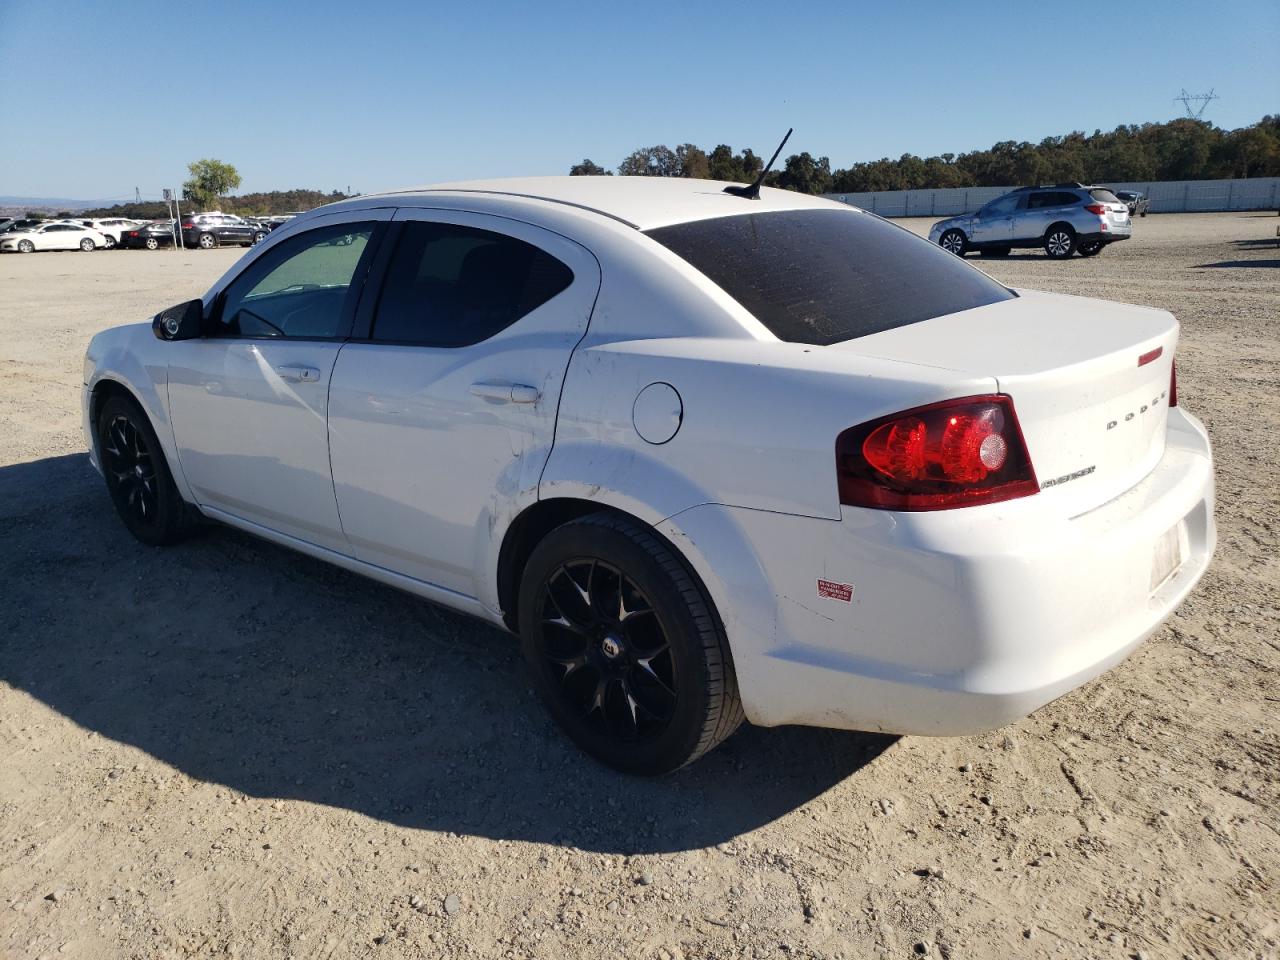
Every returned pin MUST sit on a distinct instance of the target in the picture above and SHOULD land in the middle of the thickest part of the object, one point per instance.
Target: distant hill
(11, 205)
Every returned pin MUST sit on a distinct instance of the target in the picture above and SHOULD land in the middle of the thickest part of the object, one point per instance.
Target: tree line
(1182, 149)
(246, 204)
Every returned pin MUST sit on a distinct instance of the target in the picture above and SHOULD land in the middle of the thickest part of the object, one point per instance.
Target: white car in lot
(52, 236)
(111, 228)
(707, 455)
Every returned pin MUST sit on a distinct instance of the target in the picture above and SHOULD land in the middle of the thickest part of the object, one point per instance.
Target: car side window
(300, 288)
(452, 286)
(1001, 207)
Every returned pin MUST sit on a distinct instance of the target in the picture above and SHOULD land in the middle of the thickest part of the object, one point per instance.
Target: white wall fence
(1169, 196)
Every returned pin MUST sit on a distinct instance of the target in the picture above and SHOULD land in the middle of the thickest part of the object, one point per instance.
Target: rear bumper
(1108, 236)
(959, 621)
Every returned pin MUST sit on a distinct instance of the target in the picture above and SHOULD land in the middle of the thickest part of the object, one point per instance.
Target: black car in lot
(1137, 202)
(209, 230)
(149, 236)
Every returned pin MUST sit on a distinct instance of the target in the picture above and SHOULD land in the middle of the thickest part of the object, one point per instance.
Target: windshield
(825, 276)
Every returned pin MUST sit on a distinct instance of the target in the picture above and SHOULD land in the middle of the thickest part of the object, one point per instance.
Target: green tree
(588, 168)
(693, 162)
(210, 179)
(659, 161)
(804, 174)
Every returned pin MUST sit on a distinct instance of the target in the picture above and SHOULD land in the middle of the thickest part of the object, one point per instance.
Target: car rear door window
(825, 276)
(302, 288)
(1104, 196)
(452, 286)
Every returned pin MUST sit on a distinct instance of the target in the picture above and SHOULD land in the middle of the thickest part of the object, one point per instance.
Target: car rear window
(826, 276)
(1103, 196)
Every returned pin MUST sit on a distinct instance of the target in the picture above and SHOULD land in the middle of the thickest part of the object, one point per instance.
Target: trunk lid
(1094, 418)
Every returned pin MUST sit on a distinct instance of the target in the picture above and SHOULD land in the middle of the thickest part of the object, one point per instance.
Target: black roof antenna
(752, 192)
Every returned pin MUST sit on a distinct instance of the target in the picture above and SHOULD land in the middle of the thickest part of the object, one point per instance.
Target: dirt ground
(228, 750)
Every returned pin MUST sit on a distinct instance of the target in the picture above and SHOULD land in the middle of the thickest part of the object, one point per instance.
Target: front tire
(624, 648)
(953, 241)
(87, 245)
(207, 241)
(138, 478)
(1060, 241)
(26, 246)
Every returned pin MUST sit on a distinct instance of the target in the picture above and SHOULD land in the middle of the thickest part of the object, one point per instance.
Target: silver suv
(1065, 218)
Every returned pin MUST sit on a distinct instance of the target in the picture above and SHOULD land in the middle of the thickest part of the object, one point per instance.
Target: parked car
(52, 236)
(1064, 219)
(1137, 202)
(151, 236)
(6, 222)
(209, 230)
(110, 227)
(25, 224)
(709, 456)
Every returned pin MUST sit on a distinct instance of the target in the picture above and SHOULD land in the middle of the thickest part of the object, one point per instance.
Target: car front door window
(299, 289)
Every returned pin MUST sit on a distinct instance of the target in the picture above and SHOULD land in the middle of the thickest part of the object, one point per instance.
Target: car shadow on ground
(1237, 263)
(244, 664)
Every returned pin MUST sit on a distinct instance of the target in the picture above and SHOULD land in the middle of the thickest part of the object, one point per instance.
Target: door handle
(297, 373)
(504, 391)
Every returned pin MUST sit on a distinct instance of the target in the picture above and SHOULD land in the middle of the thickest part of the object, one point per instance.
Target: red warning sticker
(835, 591)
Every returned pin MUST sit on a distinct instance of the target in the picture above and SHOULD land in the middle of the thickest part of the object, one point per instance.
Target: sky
(100, 98)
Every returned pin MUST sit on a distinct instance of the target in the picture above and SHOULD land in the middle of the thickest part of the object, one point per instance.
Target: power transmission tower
(1187, 99)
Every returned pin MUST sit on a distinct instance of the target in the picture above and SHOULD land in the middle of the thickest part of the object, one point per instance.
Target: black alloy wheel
(137, 476)
(603, 644)
(623, 647)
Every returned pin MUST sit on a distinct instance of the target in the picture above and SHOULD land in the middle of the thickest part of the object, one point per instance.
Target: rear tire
(87, 245)
(624, 648)
(996, 251)
(954, 241)
(137, 475)
(151, 243)
(1090, 248)
(111, 242)
(207, 241)
(1060, 241)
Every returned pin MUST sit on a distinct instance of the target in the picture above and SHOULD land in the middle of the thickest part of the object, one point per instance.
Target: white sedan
(52, 236)
(709, 455)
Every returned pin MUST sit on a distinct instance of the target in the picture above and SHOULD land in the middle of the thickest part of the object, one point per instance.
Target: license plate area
(1169, 554)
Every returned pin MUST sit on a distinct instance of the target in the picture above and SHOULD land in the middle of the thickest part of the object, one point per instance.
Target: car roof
(640, 202)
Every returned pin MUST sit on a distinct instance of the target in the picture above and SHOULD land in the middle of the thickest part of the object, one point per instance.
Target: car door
(1043, 208)
(249, 399)
(57, 236)
(442, 416)
(994, 222)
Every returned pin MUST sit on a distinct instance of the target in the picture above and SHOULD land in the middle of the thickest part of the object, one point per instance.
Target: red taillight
(958, 453)
(1097, 208)
(1173, 384)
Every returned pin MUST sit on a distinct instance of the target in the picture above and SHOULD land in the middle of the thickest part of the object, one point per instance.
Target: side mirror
(182, 322)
